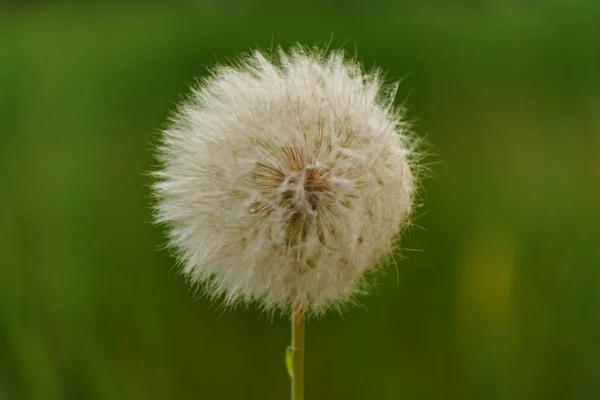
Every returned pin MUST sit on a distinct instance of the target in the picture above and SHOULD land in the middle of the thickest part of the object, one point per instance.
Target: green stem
(298, 354)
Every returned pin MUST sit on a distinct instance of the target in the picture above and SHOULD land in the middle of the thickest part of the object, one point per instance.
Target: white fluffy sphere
(285, 180)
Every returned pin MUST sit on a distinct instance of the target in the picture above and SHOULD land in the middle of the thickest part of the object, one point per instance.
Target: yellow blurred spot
(484, 284)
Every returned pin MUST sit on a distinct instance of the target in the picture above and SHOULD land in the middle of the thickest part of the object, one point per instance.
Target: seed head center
(296, 184)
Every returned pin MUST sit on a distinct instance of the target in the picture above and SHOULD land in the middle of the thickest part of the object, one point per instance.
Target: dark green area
(502, 300)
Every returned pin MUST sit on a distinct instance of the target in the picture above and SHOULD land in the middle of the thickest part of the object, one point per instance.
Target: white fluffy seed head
(285, 179)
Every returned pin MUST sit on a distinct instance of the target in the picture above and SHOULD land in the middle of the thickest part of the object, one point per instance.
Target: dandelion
(284, 180)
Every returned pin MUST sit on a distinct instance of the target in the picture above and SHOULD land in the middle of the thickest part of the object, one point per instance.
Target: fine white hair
(284, 179)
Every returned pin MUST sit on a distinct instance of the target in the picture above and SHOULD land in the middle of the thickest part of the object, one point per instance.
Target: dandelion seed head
(284, 180)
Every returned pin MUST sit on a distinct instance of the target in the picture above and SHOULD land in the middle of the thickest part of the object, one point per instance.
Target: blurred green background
(501, 300)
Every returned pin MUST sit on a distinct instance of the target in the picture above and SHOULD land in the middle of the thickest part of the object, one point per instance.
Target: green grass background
(502, 300)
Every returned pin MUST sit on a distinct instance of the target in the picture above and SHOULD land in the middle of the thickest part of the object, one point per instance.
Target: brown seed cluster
(296, 185)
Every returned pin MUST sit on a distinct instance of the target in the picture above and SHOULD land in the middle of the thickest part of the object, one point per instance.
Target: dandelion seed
(285, 180)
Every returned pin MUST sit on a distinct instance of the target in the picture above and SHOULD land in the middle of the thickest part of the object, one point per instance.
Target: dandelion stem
(298, 354)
